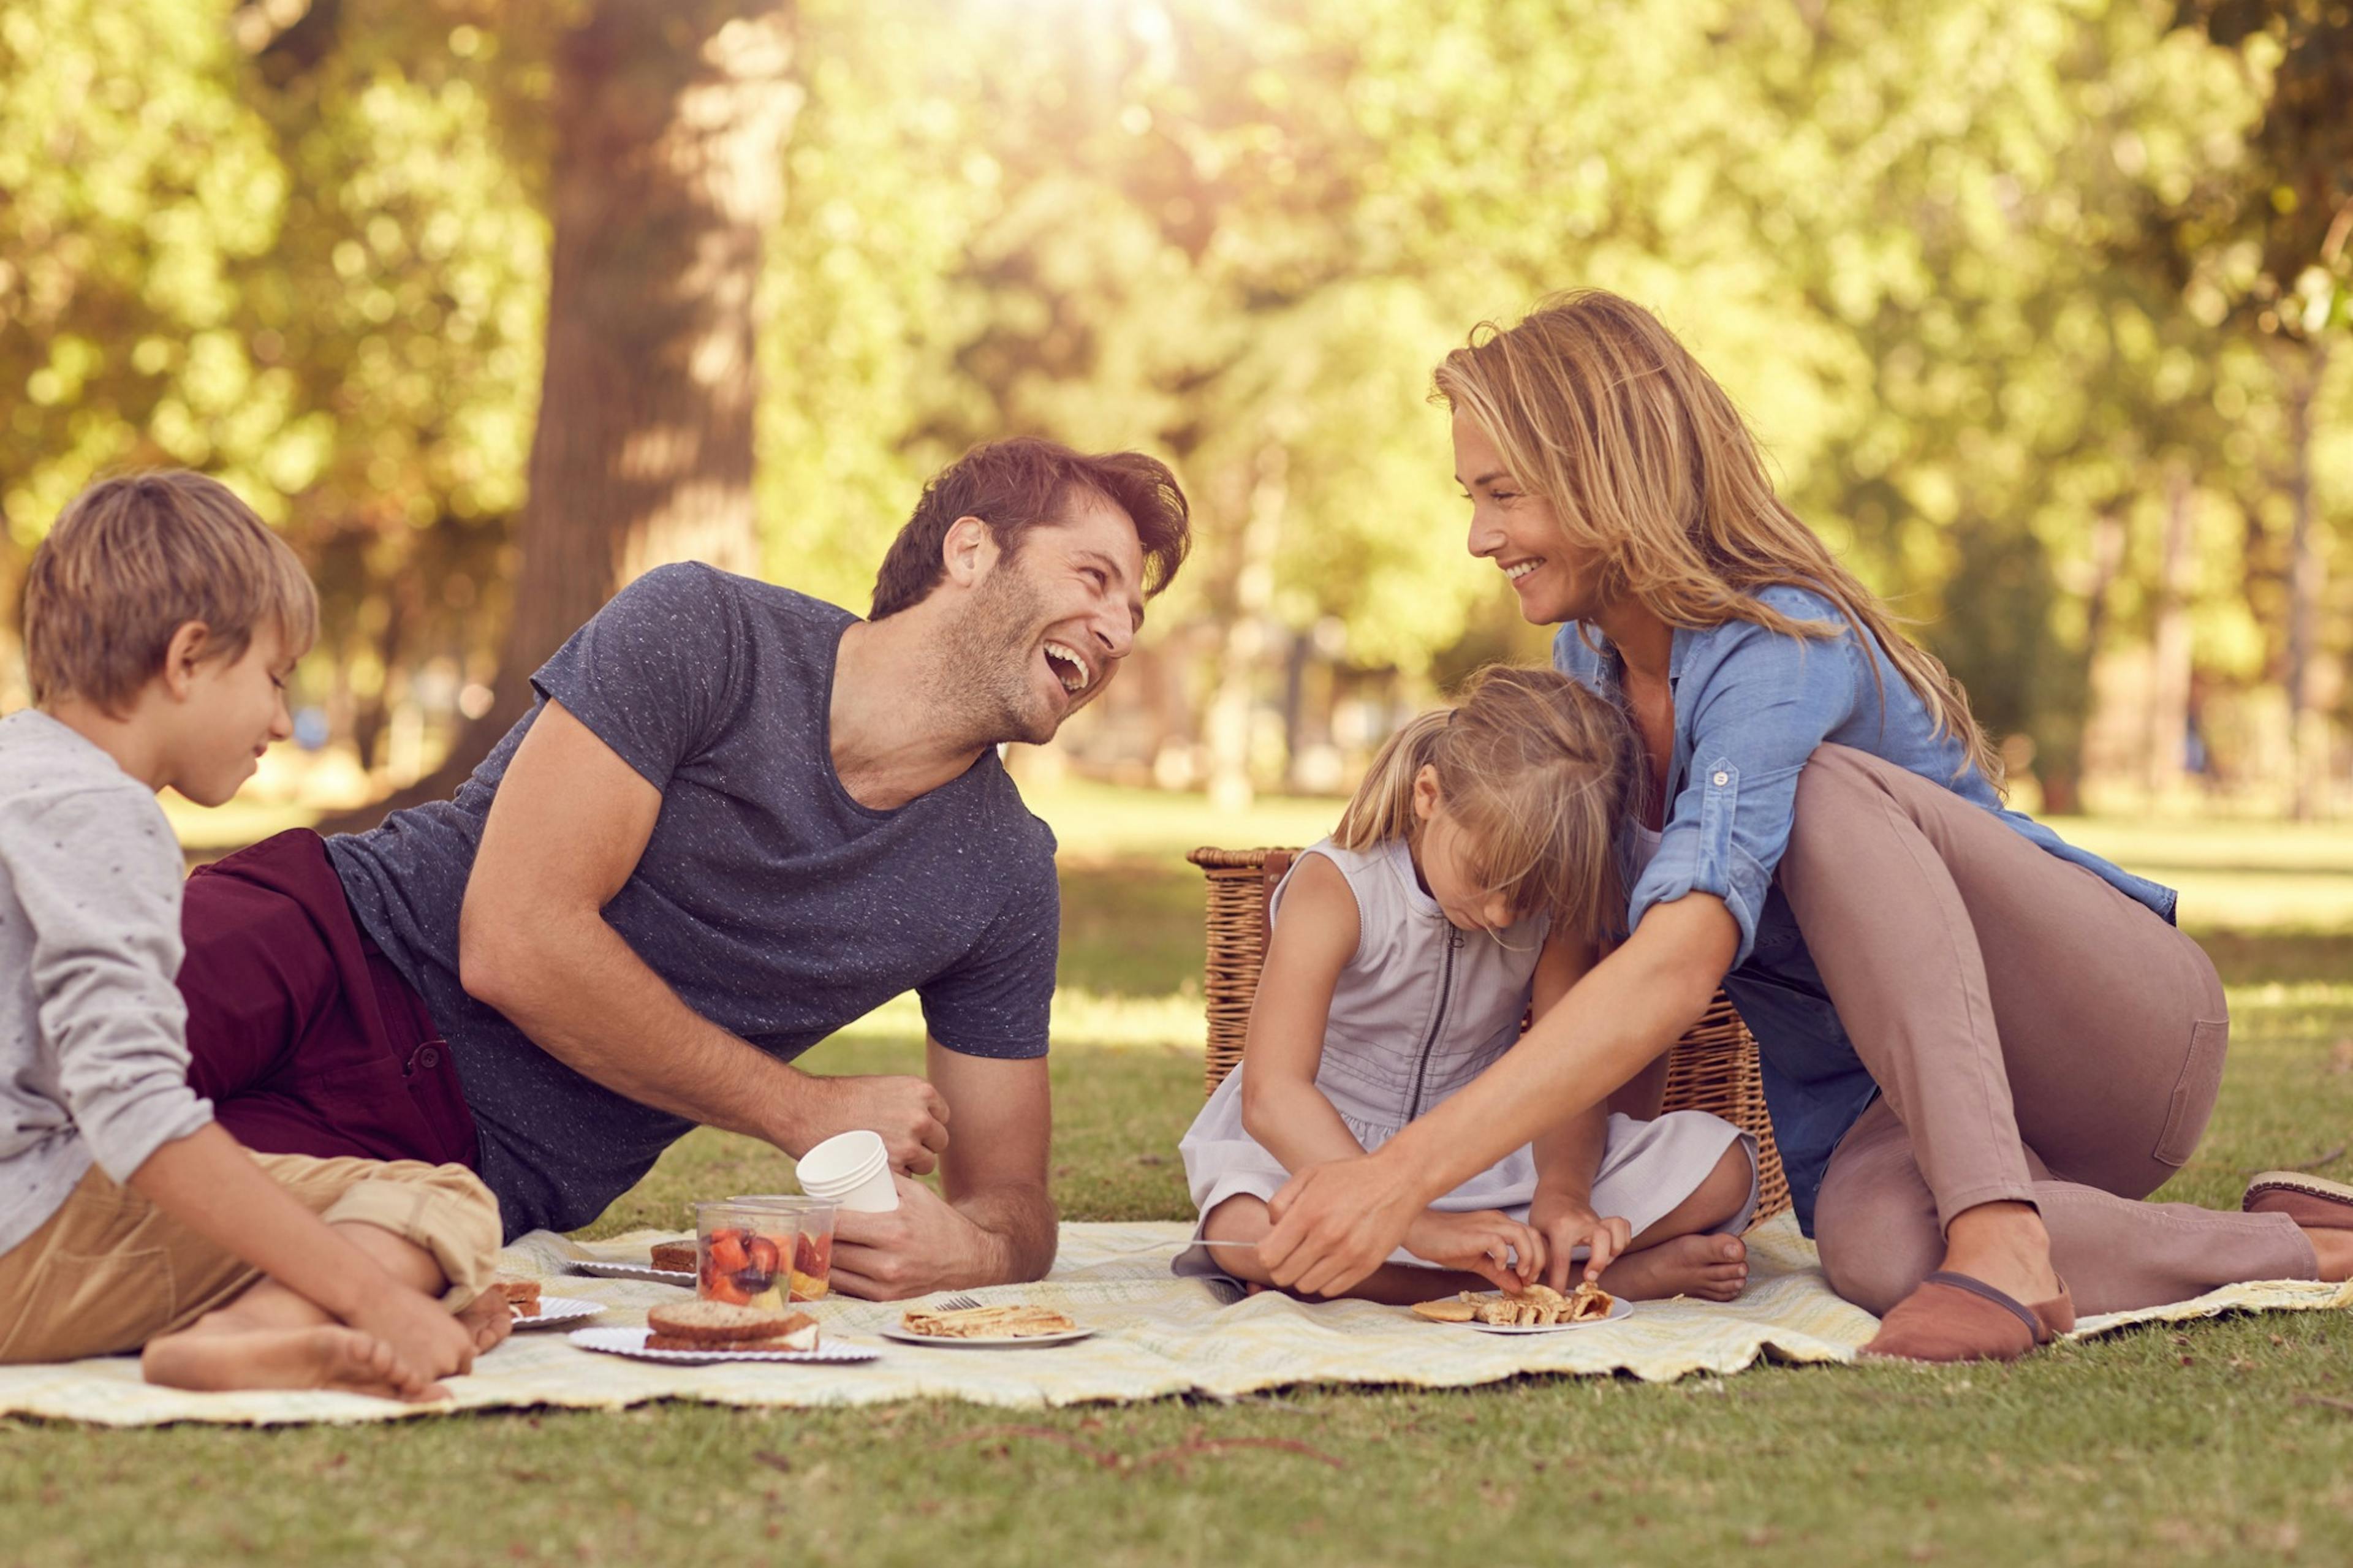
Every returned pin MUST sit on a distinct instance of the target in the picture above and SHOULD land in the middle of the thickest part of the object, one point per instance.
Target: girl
(1983, 1046)
(1473, 870)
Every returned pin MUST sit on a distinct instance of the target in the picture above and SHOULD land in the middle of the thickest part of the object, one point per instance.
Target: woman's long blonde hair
(1539, 773)
(1597, 408)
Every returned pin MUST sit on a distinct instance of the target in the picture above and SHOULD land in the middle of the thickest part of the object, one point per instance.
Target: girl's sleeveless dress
(1419, 1012)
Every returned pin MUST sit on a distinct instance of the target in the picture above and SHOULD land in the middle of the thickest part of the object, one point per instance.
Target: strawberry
(762, 1252)
(726, 1251)
(813, 1255)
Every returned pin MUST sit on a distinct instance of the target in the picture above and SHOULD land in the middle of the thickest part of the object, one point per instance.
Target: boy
(162, 618)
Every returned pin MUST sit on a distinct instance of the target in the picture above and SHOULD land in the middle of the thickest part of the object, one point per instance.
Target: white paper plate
(1619, 1308)
(997, 1342)
(554, 1310)
(632, 1342)
(634, 1272)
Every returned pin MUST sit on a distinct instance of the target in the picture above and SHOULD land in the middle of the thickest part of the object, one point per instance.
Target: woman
(1980, 1046)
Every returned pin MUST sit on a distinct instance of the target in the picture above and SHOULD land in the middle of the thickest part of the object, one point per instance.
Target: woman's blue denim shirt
(1751, 706)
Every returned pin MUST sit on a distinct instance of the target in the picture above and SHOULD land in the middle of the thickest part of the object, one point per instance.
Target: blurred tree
(665, 132)
(135, 192)
(2296, 190)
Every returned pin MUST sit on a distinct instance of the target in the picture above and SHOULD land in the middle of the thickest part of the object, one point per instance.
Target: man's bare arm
(996, 1223)
(563, 835)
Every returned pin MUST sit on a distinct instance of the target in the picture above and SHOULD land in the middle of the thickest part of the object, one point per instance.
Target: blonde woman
(1981, 1045)
(1477, 856)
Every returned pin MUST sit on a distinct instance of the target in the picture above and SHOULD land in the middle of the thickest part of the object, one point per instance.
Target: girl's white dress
(1419, 1012)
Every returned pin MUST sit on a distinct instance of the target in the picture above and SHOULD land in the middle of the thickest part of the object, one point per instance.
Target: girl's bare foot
(488, 1318)
(1711, 1267)
(326, 1357)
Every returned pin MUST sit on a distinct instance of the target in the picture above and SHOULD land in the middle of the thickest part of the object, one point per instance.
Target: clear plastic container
(762, 1251)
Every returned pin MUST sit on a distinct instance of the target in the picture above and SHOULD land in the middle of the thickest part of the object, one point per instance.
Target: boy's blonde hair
(131, 560)
(1597, 408)
(1538, 772)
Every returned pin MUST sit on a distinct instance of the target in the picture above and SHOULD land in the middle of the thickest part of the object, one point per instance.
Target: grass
(2223, 1442)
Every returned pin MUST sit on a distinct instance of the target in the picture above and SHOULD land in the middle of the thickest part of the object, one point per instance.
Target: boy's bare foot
(488, 1318)
(326, 1357)
(1711, 1267)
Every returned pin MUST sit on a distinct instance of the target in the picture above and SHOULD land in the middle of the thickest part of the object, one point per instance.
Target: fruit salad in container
(763, 1252)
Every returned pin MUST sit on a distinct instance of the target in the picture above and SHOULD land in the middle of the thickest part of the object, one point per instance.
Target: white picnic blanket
(1160, 1335)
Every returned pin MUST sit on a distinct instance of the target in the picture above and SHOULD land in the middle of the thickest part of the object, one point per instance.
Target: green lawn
(2228, 1442)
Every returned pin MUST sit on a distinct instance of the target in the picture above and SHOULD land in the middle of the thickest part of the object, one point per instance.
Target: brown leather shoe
(2313, 1202)
(1952, 1317)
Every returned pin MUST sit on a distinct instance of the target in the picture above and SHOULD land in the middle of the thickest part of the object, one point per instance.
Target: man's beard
(988, 684)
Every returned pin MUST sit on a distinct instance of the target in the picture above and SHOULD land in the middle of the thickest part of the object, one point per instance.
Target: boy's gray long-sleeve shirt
(93, 1035)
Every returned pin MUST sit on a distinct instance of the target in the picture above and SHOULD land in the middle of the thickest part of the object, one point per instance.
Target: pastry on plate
(1011, 1322)
(676, 1257)
(1539, 1306)
(522, 1295)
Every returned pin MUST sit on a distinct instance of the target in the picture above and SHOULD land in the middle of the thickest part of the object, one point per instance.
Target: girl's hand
(1566, 1222)
(1485, 1242)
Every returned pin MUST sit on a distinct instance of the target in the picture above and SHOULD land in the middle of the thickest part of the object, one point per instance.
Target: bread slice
(522, 1295)
(708, 1323)
(801, 1335)
(676, 1257)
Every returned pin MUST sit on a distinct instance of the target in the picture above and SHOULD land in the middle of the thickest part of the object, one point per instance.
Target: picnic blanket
(1160, 1335)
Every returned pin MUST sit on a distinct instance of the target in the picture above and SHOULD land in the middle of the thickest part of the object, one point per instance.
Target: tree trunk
(2307, 729)
(2169, 657)
(1229, 718)
(2061, 773)
(669, 122)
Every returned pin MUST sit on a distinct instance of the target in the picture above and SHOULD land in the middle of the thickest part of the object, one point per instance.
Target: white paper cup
(851, 1171)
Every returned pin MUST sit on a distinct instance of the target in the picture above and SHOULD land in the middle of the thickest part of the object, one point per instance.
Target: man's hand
(924, 1245)
(1486, 1242)
(1566, 1221)
(1337, 1222)
(910, 1114)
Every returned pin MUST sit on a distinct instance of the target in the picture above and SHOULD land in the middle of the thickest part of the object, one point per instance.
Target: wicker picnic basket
(1713, 1067)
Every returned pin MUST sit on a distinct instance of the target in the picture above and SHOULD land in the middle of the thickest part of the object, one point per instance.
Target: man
(737, 819)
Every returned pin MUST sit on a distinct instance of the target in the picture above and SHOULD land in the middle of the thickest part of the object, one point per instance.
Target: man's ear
(191, 644)
(969, 550)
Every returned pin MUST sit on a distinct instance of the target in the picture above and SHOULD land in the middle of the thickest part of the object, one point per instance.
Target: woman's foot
(488, 1318)
(1952, 1317)
(1711, 1267)
(2003, 1245)
(327, 1357)
(2321, 1208)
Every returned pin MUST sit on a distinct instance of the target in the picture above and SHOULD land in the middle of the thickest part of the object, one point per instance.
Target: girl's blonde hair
(1597, 408)
(1538, 772)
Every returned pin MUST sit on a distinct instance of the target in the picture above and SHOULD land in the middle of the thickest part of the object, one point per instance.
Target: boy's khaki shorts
(110, 1270)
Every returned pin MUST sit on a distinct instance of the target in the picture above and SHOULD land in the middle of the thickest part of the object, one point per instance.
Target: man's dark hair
(1017, 484)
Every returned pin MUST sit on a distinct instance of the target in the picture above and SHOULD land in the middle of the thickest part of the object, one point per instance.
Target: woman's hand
(1486, 1242)
(1336, 1222)
(1566, 1221)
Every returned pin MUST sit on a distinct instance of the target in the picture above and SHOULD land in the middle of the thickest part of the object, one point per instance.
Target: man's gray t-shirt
(774, 904)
